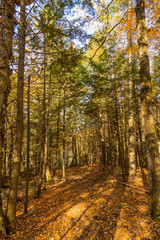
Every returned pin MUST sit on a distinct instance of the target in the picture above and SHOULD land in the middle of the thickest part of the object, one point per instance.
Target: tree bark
(4, 169)
(10, 150)
(44, 121)
(102, 138)
(57, 134)
(42, 173)
(119, 142)
(11, 207)
(74, 149)
(46, 160)
(147, 110)
(131, 149)
(7, 10)
(64, 133)
(28, 150)
(48, 175)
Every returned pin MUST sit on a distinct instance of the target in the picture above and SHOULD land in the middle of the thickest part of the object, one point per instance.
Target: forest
(80, 119)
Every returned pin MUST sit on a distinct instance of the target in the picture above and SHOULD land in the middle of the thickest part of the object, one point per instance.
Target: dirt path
(90, 204)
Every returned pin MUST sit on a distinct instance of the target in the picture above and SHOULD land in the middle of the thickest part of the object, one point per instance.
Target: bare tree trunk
(44, 122)
(80, 150)
(147, 110)
(109, 148)
(7, 10)
(4, 169)
(37, 154)
(73, 149)
(42, 163)
(120, 146)
(28, 150)
(140, 150)
(64, 137)
(10, 143)
(10, 151)
(157, 116)
(103, 148)
(48, 176)
(131, 150)
(57, 135)
(11, 207)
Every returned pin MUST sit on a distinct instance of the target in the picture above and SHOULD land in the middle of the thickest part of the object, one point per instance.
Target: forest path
(90, 204)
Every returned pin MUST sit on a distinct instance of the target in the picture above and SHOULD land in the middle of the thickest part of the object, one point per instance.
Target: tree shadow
(105, 217)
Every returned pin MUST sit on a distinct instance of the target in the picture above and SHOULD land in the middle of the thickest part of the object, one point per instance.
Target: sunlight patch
(84, 195)
(77, 210)
(74, 177)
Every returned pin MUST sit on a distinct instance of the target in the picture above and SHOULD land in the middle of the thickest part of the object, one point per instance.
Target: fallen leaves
(88, 205)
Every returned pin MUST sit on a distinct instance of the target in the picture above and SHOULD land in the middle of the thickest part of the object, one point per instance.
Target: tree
(28, 148)
(131, 123)
(147, 110)
(7, 22)
(16, 162)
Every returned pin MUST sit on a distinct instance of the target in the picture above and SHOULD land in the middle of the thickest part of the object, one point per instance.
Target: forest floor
(91, 203)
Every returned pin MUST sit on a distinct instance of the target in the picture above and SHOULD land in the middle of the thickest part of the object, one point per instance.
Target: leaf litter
(89, 204)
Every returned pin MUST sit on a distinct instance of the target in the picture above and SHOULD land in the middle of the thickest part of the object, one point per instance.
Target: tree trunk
(109, 148)
(7, 10)
(44, 121)
(109, 141)
(28, 150)
(74, 149)
(4, 169)
(48, 176)
(11, 147)
(11, 207)
(103, 147)
(131, 150)
(57, 135)
(120, 147)
(64, 137)
(43, 163)
(147, 110)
